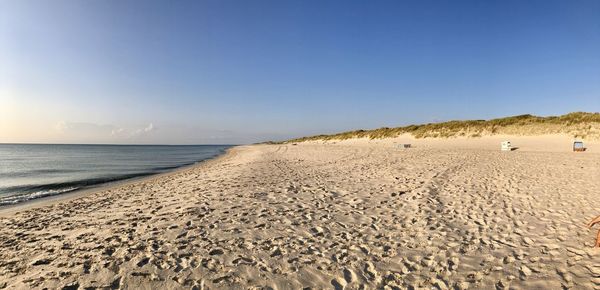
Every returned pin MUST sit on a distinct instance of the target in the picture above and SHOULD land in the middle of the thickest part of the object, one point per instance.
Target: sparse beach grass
(577, 124)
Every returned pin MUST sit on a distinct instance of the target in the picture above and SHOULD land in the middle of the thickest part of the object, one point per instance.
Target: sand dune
(353, 215)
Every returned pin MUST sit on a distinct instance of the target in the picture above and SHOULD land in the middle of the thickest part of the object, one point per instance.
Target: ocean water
(30, 171)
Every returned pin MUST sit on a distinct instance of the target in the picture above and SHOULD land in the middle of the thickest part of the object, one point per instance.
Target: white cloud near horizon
(92, 132)
(145, 130)
(87, 132)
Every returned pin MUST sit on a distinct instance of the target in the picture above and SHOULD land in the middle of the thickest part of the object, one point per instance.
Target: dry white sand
(352, 215)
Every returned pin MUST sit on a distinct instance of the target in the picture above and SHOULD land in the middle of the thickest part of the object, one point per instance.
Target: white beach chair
(506, 146)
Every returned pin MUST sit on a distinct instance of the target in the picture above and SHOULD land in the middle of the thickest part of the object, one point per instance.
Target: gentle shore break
(312, 216)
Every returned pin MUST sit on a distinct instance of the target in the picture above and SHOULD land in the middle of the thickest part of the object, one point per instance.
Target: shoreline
(79, 193)
(488, 143)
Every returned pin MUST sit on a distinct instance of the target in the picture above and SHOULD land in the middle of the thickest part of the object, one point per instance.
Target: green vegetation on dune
(578, 124)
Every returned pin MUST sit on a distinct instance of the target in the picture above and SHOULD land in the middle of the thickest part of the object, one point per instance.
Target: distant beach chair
(506, 146)
(578, 146)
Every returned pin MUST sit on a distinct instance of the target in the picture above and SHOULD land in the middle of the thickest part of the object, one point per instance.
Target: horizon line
(111, 144)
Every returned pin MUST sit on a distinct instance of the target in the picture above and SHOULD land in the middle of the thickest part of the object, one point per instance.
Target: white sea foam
(8, 200)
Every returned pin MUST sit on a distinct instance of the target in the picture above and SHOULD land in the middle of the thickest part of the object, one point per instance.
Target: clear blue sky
(246, 71)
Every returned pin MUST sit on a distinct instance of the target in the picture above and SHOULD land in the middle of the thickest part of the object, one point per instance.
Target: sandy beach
(355, 214)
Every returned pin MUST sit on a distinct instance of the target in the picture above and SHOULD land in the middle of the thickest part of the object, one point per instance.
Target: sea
(32, 171)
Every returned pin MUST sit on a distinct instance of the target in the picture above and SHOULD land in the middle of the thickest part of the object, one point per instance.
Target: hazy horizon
(234, 72)
(241, 143)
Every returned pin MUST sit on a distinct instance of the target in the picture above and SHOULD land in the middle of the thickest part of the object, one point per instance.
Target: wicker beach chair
(578, 146)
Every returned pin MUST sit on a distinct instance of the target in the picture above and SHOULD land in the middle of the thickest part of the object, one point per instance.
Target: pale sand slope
(322, 216)
(542, 143)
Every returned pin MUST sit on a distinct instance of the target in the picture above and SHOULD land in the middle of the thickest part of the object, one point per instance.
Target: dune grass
(577, 124)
